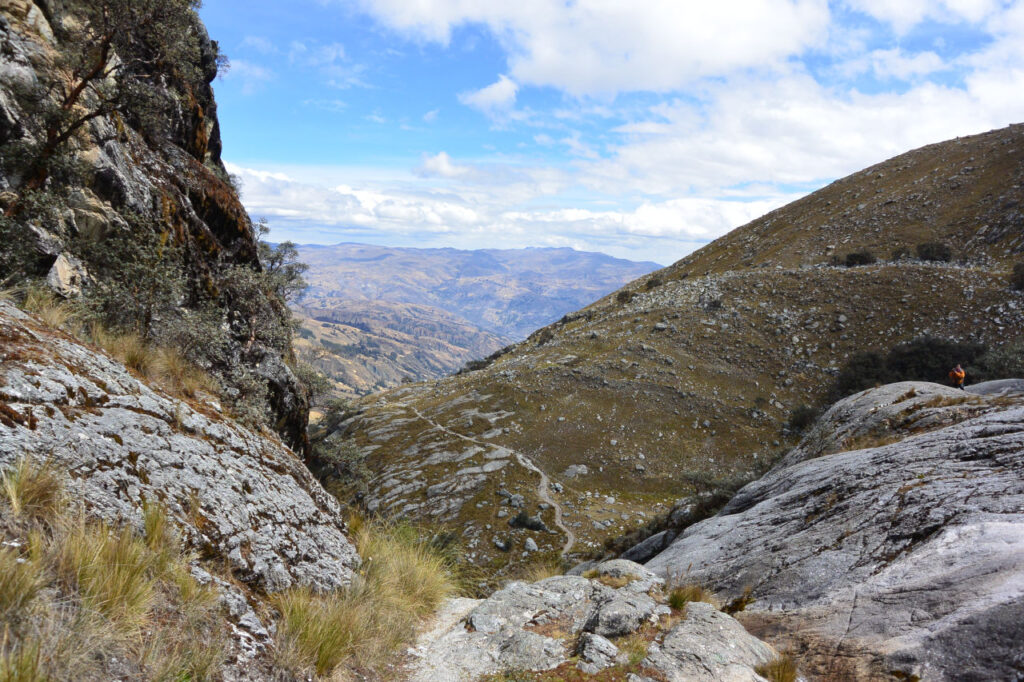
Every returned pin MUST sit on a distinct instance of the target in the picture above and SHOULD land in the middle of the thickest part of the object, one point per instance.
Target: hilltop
(374, 316)
(683, 382)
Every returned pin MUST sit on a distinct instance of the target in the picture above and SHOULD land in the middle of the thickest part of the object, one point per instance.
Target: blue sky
(641, 129)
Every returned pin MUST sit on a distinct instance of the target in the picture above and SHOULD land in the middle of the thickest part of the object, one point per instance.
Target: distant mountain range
(374, 316)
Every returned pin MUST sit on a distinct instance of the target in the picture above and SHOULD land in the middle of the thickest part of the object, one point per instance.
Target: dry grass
(162, 366)
(545, 567)
(680, 595)
(112, 571)
(72, 588)
(32, 489)
(402, 580)
(47, 306)
(780, 669)
(20, 582)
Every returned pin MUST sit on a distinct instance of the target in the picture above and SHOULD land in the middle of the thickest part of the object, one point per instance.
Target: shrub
(922, 359)
(624, 296)
(900, 253)
(857, 258)
(1017, 277)
(802, 417)
(934, 251)
(653, 283)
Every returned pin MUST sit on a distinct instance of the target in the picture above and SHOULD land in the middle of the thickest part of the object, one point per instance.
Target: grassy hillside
(687, 378)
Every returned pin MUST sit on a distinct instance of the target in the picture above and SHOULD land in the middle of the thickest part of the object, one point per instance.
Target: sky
(642, 129)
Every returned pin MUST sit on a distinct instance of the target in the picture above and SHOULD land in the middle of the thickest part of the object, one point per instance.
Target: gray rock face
(596, 653)
(236, 493)
(906, 554)
(540, 626)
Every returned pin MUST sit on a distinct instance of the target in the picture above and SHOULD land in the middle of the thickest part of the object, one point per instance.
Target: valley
(374, 316)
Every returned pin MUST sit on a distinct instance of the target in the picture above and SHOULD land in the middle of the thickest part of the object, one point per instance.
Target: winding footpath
(543, 489)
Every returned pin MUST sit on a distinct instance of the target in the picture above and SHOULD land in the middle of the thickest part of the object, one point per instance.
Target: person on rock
(957, 375)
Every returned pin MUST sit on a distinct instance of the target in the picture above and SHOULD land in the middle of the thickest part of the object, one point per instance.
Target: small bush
(624, 296)
(653, 283)
(934, 251)
(1017, 278)
(858, 258)
(900, 253)
(802, 417)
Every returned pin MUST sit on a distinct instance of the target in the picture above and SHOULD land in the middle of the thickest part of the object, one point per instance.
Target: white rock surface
(903, 556)
(237, 493)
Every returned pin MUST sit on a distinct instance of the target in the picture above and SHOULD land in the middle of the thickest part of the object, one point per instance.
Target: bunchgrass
(782, 668)
(112, 571)
(680, 595)
(42, 302)
(76, 593)
(33, 489)
(402, 579)
(20, 581)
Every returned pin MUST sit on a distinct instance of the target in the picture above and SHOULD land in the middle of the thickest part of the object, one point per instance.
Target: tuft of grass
(20, 582)
(681, 595)
(544, 567)
(33, 490)
(111, 570)
(634, 646)
(164, 366)
(780, 669)
(22, 663)
(403, 579)
(42, 302)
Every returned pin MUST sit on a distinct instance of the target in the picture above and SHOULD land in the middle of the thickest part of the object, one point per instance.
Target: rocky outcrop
(162, 178)
(238, 494)
(574, 621)
(890, 542)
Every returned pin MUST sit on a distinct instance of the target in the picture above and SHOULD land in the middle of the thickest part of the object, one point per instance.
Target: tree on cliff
(115, 56)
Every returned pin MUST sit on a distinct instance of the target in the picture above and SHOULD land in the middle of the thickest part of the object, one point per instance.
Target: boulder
(890, 541)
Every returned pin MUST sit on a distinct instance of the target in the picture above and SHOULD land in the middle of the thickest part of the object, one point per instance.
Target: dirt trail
(543, 489)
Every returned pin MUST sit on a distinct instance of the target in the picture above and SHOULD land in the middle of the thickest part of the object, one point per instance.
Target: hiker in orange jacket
(956, 375)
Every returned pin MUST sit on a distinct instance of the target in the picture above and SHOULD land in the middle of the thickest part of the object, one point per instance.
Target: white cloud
(903, 15)
(497, 97)
(440, 165)
(431, 115)
(895, 63)
(609, 47)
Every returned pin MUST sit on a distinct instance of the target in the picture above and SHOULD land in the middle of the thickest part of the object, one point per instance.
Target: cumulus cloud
(895, 63)
(497, 97)
(440, 165)
(905, 14)
(605, 48)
